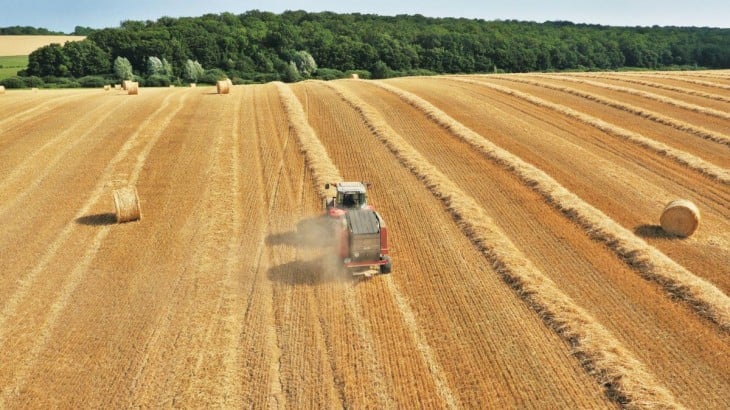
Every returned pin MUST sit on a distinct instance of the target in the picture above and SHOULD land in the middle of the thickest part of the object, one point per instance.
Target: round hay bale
(193, 85)
(2, 89)
(34, 89)
(355, 76)
(133, 88)
(223, 87)
(126, 203)
(172, 85)
(107, 87)
(126, 84)
(680, 217)
(117, 87)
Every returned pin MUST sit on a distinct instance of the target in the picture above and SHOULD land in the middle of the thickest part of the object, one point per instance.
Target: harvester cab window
(350, 200)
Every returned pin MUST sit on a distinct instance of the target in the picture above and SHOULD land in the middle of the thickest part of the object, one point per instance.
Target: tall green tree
(48, 60)
(193, 71)
(85, 58)
(123, 69)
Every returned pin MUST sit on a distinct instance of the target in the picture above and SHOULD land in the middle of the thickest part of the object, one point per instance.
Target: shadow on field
(653, 231)
(98, 219)
(312, 272)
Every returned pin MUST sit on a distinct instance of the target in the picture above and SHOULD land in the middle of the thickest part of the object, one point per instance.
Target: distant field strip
(651, 96)
(652, 115)
(705, 298)
(615, 368)
(685, 79)
(714, 172)
(684, 90)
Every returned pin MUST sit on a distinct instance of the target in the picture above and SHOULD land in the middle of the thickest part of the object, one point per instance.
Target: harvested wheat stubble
(126, 203)
(651, 115)
(133, 88)
(660, 85)
(680, 217)
(624, 377)
(705, 298)
(712, 171)
(317, 158)
(223, 86)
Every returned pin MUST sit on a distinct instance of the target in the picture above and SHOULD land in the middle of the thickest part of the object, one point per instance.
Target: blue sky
(64, 15)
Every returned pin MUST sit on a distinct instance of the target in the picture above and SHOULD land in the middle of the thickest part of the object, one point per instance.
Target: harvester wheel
(387, 266)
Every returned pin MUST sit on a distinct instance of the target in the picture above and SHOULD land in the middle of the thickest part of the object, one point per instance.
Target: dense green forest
(28, 31)
(262, 46)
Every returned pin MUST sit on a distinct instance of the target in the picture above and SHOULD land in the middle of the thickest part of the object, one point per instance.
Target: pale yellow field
(24, 45)
(528, 267)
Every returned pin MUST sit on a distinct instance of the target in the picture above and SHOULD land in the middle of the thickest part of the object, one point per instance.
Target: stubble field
(528, 267)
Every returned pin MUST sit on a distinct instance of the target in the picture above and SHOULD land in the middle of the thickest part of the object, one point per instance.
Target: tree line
(259, 46)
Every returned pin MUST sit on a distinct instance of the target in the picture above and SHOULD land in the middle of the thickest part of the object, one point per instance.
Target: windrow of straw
(712, 171)
(683, 90)
(315, 154)
(651, 96)
(705, 298)
(686, 80)
(651, 115)
(323, 171)
(625, 378)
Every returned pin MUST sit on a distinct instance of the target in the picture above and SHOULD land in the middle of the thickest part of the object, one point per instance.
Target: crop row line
(684, 90)
(693, 162)
(647, 95)
(651, 115)
(684, 79)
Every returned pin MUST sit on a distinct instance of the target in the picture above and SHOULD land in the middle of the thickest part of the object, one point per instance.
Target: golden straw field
(20, 45)
(529, 266)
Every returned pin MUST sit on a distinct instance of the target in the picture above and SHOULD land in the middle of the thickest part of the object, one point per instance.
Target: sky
(65, 15)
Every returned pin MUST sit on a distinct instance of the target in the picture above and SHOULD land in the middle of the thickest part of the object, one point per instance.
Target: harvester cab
(349, 195)
(362, 236)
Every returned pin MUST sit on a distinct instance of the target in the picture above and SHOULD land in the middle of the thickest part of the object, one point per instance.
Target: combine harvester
(360, 232)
